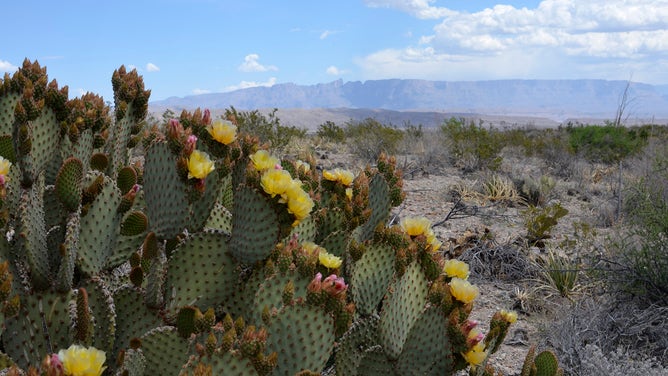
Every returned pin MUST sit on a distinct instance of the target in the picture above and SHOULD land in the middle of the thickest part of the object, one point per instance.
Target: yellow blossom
(275, 182)
(329, 260)
(300, 204)
(81, 361)
(223, 131)
(199, 165)
(302, 165)
(262, 160)
(414, 226)
(310, 247)
(433, 242)
(338, 175)
(349, 193)
(509, 316)
(4, 166)
(476, 355)
(456, 268)
(463, 290)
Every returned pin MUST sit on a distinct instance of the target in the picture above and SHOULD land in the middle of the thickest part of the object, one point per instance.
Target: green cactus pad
(226, 364)
(165, 351)
(82, 149)
(134, 223)
(99, 227)
(165, 194)
(8, 101)
(220, 219)
(201, 273)
(32, 236)
(370, 277)
(255, 226)
(333, 220)
(99, 162)
(305, 230)
(336, 243)
(401, 309)
(303, 337)
(68, 183)
(226, 197)
(134, 363)
(375, 363)
(546, 364)
(361, 336)
(69, 248)
(103, 314)
(7, 148)
(241, 301)
(201, 208)
(269, 293)
(126, 179)
(379, 202)
(133, 317)
(41, 327)
(426, 346)
(45, 143)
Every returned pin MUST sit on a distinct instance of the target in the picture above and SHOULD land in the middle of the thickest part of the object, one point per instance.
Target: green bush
(539, 222)
(369, 138)
(606, 143)
(267, 128)
(473, 147)
(329, 131)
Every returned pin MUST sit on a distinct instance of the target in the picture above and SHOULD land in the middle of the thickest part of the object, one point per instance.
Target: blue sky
(186, 47)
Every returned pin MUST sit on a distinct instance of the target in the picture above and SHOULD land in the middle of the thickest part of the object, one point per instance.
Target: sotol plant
(209, 255)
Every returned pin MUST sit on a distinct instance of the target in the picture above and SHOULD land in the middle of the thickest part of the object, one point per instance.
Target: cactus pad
(375, 363)
(402, 308)
(371, 276)
(68, 183)
(164, 350)
(379, 203)
(226, 364)
(427, 345)
(255, 227)
(361, 336)
(133, 318)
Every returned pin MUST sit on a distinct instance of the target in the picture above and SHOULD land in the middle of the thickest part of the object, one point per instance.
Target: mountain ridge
(556, 100)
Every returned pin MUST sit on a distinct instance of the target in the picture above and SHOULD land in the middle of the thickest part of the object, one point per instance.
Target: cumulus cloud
(248, 84)
(201, 91)
(561, 37)
(6, 66)
(418, 8)
(334, 71)
(251, 64)
(150, 67)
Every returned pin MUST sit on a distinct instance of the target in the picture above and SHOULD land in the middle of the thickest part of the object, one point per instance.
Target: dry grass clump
(490, 260)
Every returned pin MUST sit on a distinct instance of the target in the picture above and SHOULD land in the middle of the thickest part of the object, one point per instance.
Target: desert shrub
(501, 189)
(553, 147)
(488, 259)
(536, 192)
(331, 132)
(267, 128)
(617, 363)
(539, 222)
(606, 143)
(369, 138)
(559, 274)
(473, 147)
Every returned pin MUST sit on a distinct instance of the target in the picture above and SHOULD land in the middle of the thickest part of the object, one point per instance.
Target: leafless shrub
(617, 363)
(499, 261)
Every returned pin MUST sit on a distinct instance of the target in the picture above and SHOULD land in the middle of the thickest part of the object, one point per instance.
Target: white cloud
(81, 92)
(201, 91)
(248, 84)
(418, 8)
(130, 67)
(251, 64)
(334, 71)
(150, 67)
(558, 39)
(6, 66)
(328, 33)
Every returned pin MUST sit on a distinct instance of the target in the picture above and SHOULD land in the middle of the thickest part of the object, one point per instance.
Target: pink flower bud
(316, 284)
(191, 142)
(469, 325)
(278, 166)
(2, 180)
(334, 285)
(207, 117)
(174, 129)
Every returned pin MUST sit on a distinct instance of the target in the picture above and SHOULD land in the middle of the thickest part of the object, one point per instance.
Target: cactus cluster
(208, 255)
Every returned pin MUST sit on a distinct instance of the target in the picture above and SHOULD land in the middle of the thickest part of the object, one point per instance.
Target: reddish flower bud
(174, 129)
(316, 284)
(191, 142)
(207, 117)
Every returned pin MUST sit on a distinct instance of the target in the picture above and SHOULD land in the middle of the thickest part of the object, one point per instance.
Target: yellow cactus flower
(310, 247)
(4, 166)
(300, 204)
(476, 355)
(433, 242)
(81, 361)
(301, 165)
(509, 316)
(223, 131)
(349, 193)
(463, 290)
(344, 177)
(262, 160)
(455, 268)
(276, 182)
(414, 226)
(329, 260)
(199, 165)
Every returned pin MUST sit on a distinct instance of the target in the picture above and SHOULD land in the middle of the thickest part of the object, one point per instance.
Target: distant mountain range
(397, 100)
